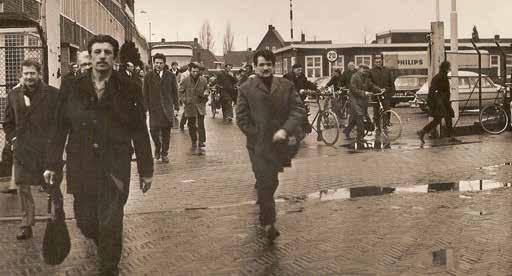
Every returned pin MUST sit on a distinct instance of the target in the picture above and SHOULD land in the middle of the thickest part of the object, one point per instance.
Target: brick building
(273, 40)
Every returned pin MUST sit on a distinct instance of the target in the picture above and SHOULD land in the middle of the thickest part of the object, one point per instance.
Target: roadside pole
(437, 54)
(454, 45)
(50, 23)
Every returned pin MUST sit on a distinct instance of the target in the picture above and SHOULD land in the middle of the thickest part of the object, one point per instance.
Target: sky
(342, 21)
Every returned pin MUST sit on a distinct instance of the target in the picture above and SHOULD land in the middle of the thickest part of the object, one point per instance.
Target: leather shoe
(165, 159)
(157, 156)
(272, 233)
(25, 233)
(9, 191)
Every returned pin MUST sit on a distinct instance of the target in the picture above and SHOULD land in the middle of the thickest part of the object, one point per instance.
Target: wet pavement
(444, 208)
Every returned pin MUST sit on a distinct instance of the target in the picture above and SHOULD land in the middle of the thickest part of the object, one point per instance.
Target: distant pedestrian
(194, 94)
(300, 80)
(161, 99)
(227, 82)
(269, 112)
(28, 120)
(84, 61)
(439, 105)
(184, 75)
(101, 117)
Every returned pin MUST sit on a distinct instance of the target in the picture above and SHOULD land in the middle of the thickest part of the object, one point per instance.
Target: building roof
(237, 58)
(403, 31)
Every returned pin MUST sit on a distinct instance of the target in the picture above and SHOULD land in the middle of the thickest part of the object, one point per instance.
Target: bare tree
(206, 36)
(229, 39)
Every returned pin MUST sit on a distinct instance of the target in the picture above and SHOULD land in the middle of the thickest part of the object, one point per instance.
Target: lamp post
(149, 35)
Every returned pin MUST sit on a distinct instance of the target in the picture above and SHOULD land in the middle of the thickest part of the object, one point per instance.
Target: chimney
(303, 37)
(270, 27)
(249, 49)
(163, 40)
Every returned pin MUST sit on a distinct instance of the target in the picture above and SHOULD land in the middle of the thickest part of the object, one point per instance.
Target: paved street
(341, 212)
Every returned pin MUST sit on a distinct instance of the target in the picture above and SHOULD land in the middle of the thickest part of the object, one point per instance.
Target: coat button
(83, 124)
(95, 145)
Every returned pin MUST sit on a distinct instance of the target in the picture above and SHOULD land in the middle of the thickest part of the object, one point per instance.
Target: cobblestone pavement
(199, 218)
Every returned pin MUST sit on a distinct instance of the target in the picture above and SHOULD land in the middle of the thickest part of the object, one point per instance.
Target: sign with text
(332, 56)
(406, 60)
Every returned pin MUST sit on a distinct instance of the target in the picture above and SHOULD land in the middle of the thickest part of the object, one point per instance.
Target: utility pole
(50, 23)
(454, 48)
(291, 20)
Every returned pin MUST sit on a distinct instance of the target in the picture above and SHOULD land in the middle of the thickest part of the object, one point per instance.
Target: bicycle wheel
(494, 119)
(391, 125)
(329, 127)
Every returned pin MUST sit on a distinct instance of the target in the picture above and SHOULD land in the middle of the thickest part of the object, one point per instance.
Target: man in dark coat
(439, 104)
(269, 111)
(227, 82)
(29, 116)
(346, 77)
(299, 79)
(161, 98)
(129, 73)
(361, 87)
(383, 78)
(101, 116)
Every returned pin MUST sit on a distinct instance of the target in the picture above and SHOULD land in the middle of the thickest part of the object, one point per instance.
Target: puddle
(380, 145)
(461, 186)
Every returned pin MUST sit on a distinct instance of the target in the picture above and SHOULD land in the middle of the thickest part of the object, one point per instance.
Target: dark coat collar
(113, 86)
(42, 92)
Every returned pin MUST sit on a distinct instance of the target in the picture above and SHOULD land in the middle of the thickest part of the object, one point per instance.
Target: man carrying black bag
(28, 119)
(269, 113)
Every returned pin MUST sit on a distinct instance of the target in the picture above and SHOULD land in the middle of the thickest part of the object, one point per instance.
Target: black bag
(56, 242)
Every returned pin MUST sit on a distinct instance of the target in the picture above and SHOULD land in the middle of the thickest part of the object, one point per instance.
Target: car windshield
(410, 82)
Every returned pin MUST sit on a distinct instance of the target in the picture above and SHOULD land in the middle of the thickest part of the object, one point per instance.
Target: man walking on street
(227, 82)
(194, 94)
(28, 120)
(382, 77)
(100, 116)
(439, 104)
(161, 99)
(269, 111)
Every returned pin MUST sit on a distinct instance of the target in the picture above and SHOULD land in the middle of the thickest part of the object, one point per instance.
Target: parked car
(468, 91)
(406, 87)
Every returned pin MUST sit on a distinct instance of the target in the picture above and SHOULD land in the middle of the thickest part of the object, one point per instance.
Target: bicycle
(389, 121)
(215, 98)
(495, 119)
(325, 122)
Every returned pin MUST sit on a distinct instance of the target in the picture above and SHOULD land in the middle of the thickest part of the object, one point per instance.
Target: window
(274, 48)
(285, 66)
(313, 66)
(495, 63)
(338, 64)
(278, 69)
(363, 60)
(2, 7)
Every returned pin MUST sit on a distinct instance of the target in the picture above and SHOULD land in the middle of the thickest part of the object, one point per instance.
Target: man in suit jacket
(101, 116)
(161, 99)
(269, 111)
(194, 94)
(29, 116)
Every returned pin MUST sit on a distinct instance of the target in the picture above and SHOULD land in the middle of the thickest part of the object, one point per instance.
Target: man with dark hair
(161, 98)
(299, 79)
(129, 73)
(101, 117)
(175, 70)
(194, 94)
(28, 119)
(269, 112)
(439, 104)
(383, 78)
(227, 81)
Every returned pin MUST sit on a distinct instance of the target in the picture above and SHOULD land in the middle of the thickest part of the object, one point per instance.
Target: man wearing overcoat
(161, 99)
(269, 112)
(100, 116)
(28, 119)
(194, 94)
